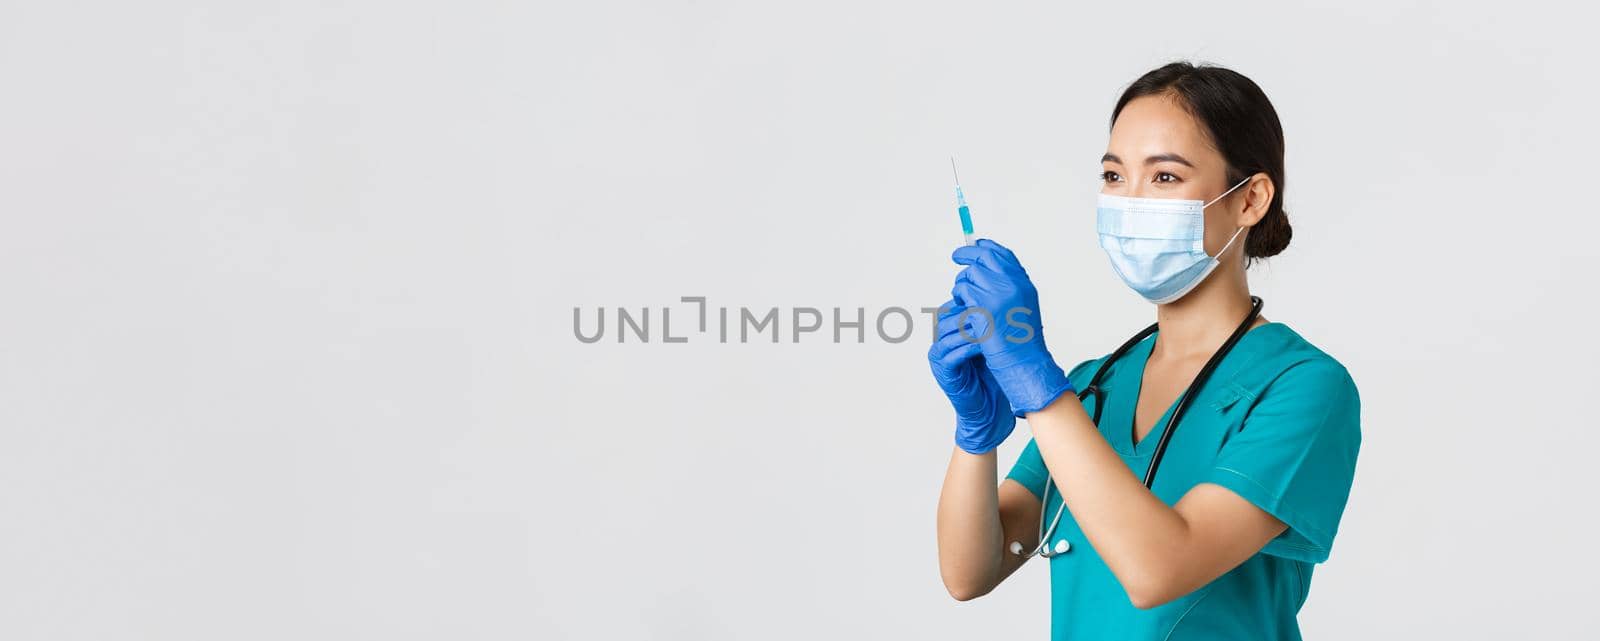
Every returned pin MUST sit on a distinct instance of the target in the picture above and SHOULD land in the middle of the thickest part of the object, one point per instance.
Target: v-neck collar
(1122, 414)
(1120, 433)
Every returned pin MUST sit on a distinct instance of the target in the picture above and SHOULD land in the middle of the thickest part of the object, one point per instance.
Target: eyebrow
(1169, 157)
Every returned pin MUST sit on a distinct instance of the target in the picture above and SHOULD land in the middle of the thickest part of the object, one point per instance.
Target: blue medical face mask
(1157, 245)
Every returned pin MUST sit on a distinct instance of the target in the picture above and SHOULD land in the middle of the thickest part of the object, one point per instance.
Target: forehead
(1150, 125)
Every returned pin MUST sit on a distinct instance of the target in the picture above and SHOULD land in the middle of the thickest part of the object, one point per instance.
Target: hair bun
(1270, 236)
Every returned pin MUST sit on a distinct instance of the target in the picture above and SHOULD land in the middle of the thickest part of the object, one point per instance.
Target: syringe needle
(961, 205)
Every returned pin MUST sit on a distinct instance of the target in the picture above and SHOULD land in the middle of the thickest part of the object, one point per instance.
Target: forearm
(1142, 540)
(969, 529)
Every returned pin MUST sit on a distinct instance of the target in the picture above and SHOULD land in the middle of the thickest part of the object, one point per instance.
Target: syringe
(961, 205)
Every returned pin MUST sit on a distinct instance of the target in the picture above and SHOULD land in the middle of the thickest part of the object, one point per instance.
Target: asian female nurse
(1255, 459)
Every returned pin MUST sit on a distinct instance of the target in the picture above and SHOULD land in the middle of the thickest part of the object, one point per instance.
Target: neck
(1196, 325)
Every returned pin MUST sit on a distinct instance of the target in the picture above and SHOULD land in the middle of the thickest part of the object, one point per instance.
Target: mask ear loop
(1229, 244)
(1229, 191)
(1237, 231)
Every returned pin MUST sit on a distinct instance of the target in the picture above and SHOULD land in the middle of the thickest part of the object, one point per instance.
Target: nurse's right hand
(983, 415)
(994, 283)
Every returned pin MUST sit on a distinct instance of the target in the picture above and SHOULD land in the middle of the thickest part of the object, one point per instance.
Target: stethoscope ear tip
(1061, 547)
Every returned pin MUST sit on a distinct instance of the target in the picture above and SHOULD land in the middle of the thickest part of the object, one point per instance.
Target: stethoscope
(1093, 389)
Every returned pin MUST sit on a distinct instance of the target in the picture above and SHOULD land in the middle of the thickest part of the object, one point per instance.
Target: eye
(1110, 176)
(1164, 177)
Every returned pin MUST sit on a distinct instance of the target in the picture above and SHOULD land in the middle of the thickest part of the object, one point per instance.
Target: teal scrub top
(1278, 424)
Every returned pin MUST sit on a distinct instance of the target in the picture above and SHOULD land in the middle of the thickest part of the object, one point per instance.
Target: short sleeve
(1294, 456)
(1029, 470)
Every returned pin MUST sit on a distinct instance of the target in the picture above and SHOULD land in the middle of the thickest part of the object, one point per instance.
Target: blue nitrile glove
(983, 417)
(1012, 335)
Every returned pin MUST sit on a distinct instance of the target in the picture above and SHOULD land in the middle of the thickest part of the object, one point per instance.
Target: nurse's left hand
(983, 416)
(1007, 325)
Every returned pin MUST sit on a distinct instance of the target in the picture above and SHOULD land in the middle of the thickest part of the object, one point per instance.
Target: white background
(286, 345)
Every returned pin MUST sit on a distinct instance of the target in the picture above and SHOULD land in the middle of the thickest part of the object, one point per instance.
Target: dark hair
(1242, 124)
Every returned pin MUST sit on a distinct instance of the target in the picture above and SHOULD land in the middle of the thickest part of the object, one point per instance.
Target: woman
(1255, 475)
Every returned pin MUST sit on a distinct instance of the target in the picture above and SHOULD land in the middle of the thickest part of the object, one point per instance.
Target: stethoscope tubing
(1093, 389)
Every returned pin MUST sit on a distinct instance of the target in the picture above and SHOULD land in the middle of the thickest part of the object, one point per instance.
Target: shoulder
(1289, 378)
(1080, 374)
(1083, 372)
(1281, 356)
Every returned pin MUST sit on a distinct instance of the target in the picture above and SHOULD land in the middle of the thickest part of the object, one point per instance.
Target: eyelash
(1111, 176)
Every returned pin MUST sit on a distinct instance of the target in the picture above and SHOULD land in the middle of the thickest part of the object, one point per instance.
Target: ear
(1258, 195)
